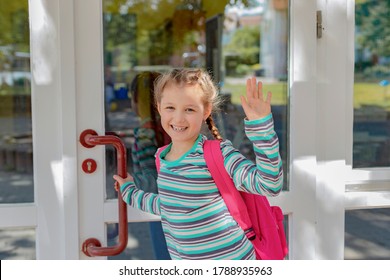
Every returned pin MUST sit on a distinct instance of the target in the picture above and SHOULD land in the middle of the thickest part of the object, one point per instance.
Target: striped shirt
(195, 219)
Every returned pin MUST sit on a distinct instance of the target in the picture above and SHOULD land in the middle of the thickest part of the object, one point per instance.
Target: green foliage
(243, 69)
(245, 43)
(14, 29)
(373, 23)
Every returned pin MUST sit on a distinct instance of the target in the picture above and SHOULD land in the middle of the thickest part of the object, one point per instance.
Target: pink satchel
(262, 223)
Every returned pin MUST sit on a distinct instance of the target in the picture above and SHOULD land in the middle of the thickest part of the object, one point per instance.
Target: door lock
(89, 165)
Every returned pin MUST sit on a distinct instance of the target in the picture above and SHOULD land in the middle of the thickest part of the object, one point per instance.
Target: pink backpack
(262, 223)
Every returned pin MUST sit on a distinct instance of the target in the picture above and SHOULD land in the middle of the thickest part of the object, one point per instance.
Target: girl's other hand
(254, 105)
(120, 181)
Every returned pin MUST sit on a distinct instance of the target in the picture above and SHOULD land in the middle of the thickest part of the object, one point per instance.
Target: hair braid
(213, 128)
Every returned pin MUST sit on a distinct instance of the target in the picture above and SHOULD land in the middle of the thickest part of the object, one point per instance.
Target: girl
(195, 219)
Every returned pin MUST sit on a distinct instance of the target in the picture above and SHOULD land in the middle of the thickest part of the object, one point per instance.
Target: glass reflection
(231, 39)
(16, 183)
(371, 134)
(17, 244)
(367, 234)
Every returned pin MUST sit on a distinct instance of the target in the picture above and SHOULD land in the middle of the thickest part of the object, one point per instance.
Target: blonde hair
(185, 76)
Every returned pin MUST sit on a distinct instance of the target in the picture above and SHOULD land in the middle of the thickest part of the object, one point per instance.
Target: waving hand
(254, 105)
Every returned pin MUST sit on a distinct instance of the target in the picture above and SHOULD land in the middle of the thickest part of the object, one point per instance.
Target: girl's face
(182, 112)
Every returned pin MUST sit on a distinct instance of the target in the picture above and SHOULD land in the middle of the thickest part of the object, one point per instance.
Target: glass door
(232, 40)
(17, 227)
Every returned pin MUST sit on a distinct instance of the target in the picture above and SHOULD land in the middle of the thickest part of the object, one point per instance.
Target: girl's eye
(169, 108)
(190, 110)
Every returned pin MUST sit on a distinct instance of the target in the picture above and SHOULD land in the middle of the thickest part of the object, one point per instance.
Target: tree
(14, 24)
(373, 22)
(246, 44)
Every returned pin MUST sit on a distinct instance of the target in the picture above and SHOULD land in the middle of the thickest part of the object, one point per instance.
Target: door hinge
(319, 24)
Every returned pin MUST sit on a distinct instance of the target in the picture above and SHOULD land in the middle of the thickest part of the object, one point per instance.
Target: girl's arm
(147, 202)
(266, 176)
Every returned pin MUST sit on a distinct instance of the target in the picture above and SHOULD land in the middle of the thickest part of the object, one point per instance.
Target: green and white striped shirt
(195, 219)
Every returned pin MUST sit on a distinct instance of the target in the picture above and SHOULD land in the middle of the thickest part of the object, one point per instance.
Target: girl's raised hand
(254, 105)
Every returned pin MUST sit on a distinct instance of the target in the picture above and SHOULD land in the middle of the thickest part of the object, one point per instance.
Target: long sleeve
(145, 201)
(266, 176)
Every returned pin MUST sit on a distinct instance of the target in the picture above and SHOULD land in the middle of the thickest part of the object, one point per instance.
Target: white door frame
(300, 201)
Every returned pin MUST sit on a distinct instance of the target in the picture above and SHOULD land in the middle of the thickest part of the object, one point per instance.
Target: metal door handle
(92, 246)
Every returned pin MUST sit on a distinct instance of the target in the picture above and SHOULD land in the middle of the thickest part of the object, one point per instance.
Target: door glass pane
(371, 134)
(367, 234)
(233, 40)
(16, 176)
(139, 244)
(17, 244)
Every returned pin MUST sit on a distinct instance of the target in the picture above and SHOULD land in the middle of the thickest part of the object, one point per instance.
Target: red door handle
(92, 246)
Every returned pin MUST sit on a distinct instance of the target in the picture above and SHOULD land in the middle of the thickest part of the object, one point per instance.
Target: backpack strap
(157, 155)
(230, 194)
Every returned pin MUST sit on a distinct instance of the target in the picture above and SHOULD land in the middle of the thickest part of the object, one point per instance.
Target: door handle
(92, 246)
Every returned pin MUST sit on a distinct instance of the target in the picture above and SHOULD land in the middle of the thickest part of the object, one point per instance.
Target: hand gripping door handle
(92, 246)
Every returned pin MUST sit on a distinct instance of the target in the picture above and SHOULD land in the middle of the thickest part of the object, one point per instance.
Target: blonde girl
(195, 219)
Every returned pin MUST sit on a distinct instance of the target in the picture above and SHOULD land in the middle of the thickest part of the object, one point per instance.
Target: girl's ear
(207, 112)
(158, 108)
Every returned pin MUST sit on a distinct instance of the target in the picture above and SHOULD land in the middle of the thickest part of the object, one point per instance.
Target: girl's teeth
(178, 128)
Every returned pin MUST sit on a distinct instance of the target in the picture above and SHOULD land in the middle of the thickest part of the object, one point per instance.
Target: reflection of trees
(373, 17)
(245, 41)
(153, 30)
(373, 35)
(14, 47)
(14, 24)
(371, 145)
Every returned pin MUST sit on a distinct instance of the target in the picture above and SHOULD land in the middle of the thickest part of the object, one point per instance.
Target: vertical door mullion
(90, 115)
(333, 112)
(302, 132)
(53, 121)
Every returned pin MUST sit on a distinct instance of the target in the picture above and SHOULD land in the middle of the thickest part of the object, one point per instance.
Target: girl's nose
(178, 117)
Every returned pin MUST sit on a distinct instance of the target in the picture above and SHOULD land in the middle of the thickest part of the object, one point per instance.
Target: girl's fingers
(248, 88)
(269, 96)
(260, 90)
(252, 90)
(243, 101)
(244, 104)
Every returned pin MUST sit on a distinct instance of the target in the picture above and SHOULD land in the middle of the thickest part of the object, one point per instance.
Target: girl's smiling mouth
(178, 128)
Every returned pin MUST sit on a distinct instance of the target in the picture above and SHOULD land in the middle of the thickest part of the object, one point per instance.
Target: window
(371, 134)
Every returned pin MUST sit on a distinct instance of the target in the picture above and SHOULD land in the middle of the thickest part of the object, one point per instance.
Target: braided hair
(192, 76)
